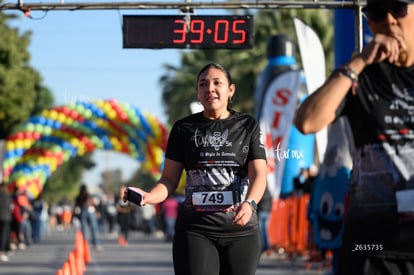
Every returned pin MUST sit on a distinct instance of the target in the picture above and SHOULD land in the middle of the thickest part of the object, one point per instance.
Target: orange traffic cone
(87, 253)
(66, 269)
(79, 239)
(80, 261)
(79, 254)
(59, 272)
(72, 263)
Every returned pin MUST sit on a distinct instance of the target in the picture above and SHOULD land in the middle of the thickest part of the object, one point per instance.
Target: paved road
(144, 256)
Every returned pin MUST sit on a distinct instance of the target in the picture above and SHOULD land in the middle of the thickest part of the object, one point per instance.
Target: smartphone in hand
(134, 196)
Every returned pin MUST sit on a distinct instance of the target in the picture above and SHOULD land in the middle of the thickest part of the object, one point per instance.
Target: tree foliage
(23, 95)
(179, 83)
(21, 91)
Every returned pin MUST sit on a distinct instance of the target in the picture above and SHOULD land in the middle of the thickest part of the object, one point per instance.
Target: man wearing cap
(375, 91)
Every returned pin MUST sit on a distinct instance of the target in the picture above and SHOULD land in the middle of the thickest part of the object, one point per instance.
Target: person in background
(87, 216)
(17, 236)
(36, 222)
(223, 154)
(5, 219)
(124, 217)
(45, 220)
(169, 212)
(148, 219)
(300, 181)
(111, 215)
(264, 208)
(100, 213)
(375, 91)
(27, 217)
(66, 216)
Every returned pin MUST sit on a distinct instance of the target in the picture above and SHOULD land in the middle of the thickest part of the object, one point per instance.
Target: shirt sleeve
(175, 145)
(257, 149)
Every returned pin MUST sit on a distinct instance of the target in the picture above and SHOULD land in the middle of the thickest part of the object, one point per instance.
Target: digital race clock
(192, 32)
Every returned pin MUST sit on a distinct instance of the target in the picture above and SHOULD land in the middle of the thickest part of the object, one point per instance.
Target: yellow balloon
(111, 114)
(81, 151)
(45, 113)
(53, 114)
(27, 143)
(100, 104)
(19, 143)
(107, 107)
(74, 142)
(68, 121)
(33, 190)
(115, 143)
(158, 155)
(53, 164)
(21, 181)
(61, 117)
(42, 160)
(10, 146)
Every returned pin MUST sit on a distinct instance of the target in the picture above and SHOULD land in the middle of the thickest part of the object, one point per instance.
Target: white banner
(313, 60)
(279, 105)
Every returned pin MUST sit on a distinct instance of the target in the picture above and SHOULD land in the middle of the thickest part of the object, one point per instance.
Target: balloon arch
(41, 144)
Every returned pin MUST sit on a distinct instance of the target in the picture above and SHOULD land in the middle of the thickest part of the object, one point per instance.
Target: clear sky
(79, 55)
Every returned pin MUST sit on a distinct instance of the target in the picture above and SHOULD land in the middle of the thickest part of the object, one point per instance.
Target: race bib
(212, 198)
(405, 201)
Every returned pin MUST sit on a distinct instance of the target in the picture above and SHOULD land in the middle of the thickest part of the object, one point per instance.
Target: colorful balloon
(41, 144)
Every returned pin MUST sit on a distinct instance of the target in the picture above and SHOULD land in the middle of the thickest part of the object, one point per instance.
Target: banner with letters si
(279, 104)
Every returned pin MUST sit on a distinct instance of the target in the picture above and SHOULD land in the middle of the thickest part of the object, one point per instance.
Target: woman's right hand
(146, 196)
(384, 47)
(125, 193)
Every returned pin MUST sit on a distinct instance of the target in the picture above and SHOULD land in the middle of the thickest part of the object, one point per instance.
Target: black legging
(4, 236)
(196, 254)
(124, 222)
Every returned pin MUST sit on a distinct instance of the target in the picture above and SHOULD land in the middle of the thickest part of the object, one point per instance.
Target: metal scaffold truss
(185, 5)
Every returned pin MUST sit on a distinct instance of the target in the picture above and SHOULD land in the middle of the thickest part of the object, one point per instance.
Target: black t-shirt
(383, 108)
(381, 116)
(215, 154)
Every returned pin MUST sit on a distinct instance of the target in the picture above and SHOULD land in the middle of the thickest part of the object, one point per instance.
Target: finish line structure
(188, 7)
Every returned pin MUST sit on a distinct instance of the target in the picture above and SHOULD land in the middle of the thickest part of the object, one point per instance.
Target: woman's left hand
(243, 214)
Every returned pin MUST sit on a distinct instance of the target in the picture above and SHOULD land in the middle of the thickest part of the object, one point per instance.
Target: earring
(229, 103)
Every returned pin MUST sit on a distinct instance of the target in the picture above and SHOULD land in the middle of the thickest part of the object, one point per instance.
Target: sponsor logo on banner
(279, 105)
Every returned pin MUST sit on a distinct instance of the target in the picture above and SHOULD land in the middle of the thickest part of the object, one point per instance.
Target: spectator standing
(27, 217)
(111, 215)
(169, 211)
(36, 221)
(87, 216)
(123, 209)
(17, 236)
(264, 208)
(148, 218)
(5, 219)
(300, 181)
